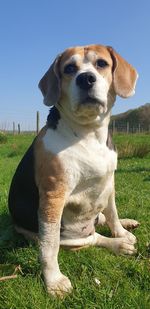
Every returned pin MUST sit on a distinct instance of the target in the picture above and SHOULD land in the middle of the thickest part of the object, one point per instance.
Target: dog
(64, 185)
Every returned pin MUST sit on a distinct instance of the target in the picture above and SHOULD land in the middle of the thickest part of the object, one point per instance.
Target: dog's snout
(86, 80)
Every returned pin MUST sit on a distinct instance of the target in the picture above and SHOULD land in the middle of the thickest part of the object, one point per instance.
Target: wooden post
(128, 128)
(18, 128)
(13, 128)
(37, 122)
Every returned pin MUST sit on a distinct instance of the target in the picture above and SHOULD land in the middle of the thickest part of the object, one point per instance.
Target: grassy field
(124, 282)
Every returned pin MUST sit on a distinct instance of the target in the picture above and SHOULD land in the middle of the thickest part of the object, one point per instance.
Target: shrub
(15, 151)
(3, 138)
(128, 150)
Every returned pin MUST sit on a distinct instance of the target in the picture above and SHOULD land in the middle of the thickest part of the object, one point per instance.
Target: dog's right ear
(50, 84)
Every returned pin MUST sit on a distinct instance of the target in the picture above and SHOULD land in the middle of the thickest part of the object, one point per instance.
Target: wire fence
(18, 128)
(122, 126)
(115, 126)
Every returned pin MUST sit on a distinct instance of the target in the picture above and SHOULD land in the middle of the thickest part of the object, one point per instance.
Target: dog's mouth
(92, 101)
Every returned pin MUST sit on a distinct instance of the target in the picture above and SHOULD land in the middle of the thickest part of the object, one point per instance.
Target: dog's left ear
(50, 84)
(124, 75)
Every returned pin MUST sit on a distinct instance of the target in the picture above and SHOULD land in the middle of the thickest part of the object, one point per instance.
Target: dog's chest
(88, 165)
(90, 178)
(88, 170)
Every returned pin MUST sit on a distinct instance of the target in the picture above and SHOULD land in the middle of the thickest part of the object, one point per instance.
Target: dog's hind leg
(27, 234)
(122, 245)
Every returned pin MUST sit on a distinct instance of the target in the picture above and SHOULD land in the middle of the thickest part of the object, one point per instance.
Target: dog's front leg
(50, 212)
(113, 221)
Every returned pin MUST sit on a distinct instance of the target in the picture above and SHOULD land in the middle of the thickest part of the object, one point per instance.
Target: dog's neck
(98, 127)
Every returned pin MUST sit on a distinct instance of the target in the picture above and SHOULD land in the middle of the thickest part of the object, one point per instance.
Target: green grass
(3, 138)
(124, 281)
(134, 145)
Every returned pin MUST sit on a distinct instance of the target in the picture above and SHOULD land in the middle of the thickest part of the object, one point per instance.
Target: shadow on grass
(15, 250)
(147, 178)
(103, 230)
(9, 238)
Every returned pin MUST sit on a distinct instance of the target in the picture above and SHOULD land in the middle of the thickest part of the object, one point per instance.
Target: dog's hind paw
(129, 224)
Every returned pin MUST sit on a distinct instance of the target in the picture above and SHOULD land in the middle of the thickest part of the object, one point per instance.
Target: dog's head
(84, 81)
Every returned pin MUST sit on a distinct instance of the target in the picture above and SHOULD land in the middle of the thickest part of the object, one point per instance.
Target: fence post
(128, 127)
(13, 128)
(18, 128)
(37, 122)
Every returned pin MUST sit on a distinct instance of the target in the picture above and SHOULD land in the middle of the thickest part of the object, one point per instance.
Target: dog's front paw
(130, 236)
(124, 233)
(124, 246)
(60, 286)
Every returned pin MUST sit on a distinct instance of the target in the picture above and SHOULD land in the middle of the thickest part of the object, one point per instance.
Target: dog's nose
(86, 80)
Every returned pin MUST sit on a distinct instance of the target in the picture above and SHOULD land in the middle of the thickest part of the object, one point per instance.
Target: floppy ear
(50, 84)
(124, 75)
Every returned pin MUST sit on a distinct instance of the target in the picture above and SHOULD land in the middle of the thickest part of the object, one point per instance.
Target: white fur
(49, 246)
(117, 245)
(88, 166)
(55, 281)
(91, 56)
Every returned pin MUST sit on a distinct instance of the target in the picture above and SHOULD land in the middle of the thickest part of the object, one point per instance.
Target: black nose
(86, 80)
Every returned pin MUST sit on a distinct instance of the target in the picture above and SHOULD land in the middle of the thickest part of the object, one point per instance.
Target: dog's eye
(70, 68)
(101, 63)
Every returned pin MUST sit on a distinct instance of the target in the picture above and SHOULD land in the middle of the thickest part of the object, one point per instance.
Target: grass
(133, 145)
(124, 281)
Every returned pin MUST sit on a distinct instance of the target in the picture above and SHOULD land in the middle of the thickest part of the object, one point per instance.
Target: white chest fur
(89, 166)
(83, 158)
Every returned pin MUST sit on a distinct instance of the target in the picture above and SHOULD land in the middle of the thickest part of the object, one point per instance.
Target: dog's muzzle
(86, 82)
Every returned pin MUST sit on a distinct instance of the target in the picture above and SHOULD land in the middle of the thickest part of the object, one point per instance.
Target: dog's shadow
(15, 249)
(8, 236)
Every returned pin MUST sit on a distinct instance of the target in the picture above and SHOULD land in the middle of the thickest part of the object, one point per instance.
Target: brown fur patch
(100, 50)
(50, 180)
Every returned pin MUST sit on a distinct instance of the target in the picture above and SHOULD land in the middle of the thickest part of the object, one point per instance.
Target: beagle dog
(64, 185)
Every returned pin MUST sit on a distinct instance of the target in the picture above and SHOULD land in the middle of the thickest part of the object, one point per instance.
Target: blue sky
(33, 32)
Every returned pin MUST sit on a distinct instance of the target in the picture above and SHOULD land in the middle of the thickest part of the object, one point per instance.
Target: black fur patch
(23, 197)
(53, 118)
